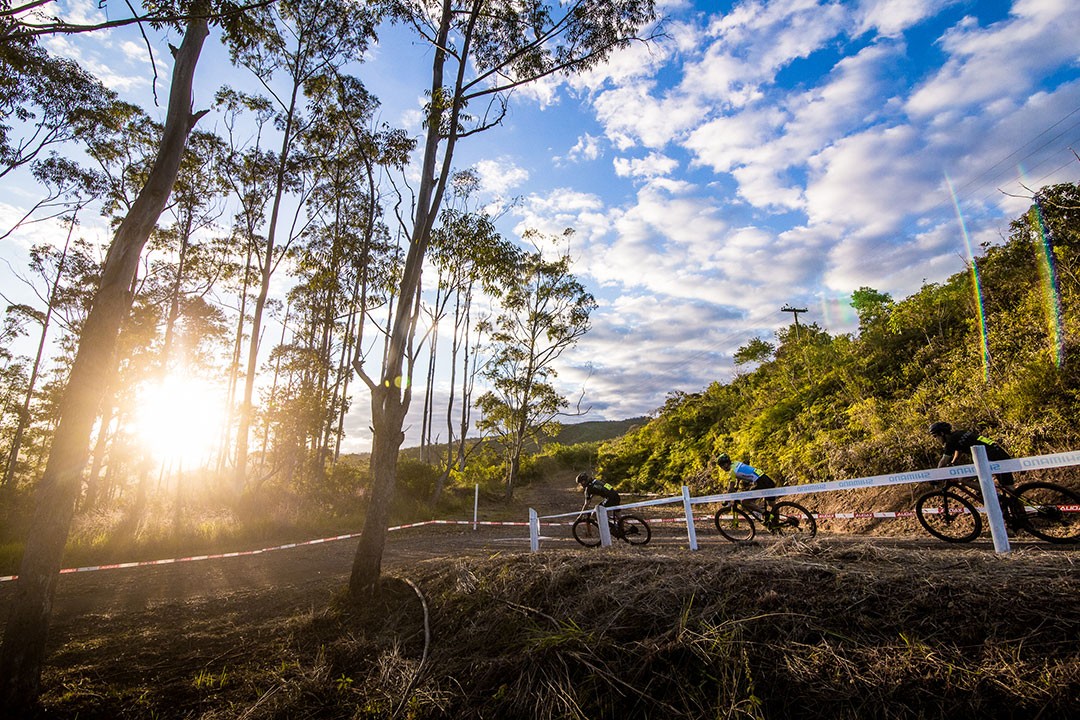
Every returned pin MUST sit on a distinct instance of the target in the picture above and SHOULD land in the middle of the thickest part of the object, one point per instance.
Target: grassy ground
(773, 630)
(839, 627)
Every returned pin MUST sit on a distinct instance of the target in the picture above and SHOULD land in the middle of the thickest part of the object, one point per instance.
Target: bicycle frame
(757, 514)
(1005, 499)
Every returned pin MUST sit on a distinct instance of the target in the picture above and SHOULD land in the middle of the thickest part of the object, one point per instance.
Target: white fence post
(990, 499)
(476, 506)
(602, 521)
(534, 530)
(691, 531)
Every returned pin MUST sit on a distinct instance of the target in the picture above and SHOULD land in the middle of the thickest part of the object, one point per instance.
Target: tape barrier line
(260, 551)
(1037, 462)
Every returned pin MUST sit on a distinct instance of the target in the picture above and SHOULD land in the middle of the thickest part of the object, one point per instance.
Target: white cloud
(631, 115)
(586, 148)
(891, 17)
(1004, 58)
(651, 166)
(501, 176)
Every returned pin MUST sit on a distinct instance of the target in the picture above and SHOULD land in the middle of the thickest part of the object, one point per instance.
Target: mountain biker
(958, 442)
(592, 487)
(741, 475)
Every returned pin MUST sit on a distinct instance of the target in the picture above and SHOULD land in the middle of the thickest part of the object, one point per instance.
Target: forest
(994, 347)
(152, 393)
(300, 186)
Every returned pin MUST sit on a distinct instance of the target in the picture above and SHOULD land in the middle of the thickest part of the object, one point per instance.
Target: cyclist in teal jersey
(741, 475)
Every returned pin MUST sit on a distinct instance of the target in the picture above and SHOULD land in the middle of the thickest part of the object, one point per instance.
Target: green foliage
(822, 407)
(544, 311)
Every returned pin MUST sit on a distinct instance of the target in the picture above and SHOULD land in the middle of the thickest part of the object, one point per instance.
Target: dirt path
(281, 581)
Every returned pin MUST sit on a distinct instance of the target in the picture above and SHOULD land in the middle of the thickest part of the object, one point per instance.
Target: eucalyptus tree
(181, 266)
(302, 43)
(63, 280)
(544, 312)
(23, 650)
(124, 144)
(46, 102)
(249, 171)
(481, 50)
(195, 262)
(344, 262)
(471, 257)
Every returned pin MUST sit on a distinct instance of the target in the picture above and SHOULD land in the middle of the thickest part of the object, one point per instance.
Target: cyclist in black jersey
(592, 487)
(958, 442)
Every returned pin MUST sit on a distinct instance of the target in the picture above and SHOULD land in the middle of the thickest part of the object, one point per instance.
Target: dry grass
(784, 630)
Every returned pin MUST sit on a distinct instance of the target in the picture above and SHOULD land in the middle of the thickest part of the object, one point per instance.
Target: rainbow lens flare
(1048, 276)
(975, 282)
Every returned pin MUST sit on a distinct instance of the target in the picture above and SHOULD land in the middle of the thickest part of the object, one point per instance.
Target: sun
(179, 418)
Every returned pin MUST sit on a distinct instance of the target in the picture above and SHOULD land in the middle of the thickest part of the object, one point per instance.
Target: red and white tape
(217, 556)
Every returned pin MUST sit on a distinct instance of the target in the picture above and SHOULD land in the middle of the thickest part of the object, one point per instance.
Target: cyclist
(592, 487)
(959, 442)
(742, 475)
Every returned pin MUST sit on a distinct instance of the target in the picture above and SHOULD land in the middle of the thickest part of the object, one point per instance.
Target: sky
(754, 155)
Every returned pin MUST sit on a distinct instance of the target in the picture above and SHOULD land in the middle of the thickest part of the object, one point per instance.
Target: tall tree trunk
(23, 651)
(388, 414)
(24, 412)
(247, 408)
(234, 364)
(390, 395)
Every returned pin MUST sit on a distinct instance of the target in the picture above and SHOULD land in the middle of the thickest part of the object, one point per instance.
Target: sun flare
(179, 419)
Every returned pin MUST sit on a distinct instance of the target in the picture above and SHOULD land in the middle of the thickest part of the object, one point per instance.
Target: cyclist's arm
(946, 459)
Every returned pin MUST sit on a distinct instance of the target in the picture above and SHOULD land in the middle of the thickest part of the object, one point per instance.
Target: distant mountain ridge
(596, 430)
(570, 434)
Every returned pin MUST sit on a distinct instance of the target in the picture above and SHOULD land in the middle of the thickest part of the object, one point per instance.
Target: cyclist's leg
(613, 518)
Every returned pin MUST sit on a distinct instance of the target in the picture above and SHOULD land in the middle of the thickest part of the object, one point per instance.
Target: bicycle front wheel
(1047, 511)
(734, 523)
(948, 516)
(793, 520)
(587, 531)
(634, 530)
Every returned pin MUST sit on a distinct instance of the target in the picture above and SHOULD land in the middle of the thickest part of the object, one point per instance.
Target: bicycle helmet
(723, 459)
(940, 428)
(583, 478)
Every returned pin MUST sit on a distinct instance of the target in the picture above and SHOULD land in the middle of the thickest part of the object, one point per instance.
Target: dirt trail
(309, 575)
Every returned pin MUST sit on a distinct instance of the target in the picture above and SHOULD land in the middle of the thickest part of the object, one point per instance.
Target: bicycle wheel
(793, 520)
(734, 523)
(634, 530)
(1050, 512)
(587, 531)
(948, 516)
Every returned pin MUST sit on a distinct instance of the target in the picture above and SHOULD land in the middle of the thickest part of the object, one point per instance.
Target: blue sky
(774, 153)
(757, 154)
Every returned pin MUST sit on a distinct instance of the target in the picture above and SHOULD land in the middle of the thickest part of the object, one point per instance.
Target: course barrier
(981, 468)
(1038, 462)
(260, 551)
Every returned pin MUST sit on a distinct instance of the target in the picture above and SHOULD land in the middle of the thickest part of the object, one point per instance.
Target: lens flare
(975, 282)
(1048, 276)
(836, 309)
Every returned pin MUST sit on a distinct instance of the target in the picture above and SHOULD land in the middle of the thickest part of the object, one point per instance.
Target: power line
(1019, 149)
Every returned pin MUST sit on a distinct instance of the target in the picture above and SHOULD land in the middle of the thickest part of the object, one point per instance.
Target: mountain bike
(629, 528)
(1047, 511)
(737, 521)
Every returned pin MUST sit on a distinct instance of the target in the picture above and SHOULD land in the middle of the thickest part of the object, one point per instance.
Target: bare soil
(871, 619)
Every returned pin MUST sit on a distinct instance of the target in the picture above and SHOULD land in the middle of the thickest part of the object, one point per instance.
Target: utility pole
(794, 311)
